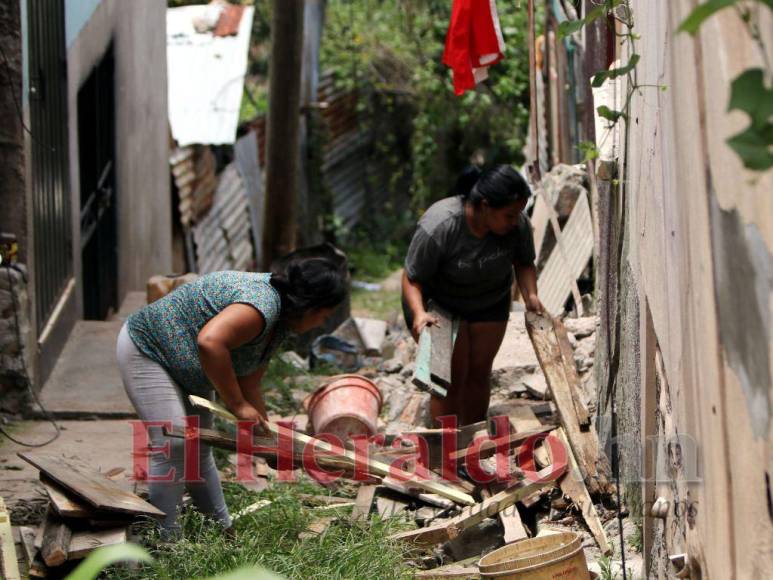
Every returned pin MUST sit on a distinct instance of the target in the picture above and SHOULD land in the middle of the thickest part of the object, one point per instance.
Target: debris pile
(461, 506)
(86, 510)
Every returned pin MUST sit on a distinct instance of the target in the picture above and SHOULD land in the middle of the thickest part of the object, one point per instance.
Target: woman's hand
(421, 321)
(246, 412)
(533, 304)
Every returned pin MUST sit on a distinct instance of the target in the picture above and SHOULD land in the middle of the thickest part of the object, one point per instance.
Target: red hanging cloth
(474, 42)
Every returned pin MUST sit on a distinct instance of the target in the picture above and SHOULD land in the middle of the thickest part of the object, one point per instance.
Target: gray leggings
(156, 397)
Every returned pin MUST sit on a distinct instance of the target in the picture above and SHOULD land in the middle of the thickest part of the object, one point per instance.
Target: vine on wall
(751, 92)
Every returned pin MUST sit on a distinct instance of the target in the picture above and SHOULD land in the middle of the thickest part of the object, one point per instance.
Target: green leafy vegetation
(269, 538)
(394, 49)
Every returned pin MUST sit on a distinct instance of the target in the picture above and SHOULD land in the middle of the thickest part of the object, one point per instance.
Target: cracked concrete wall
(697, 234)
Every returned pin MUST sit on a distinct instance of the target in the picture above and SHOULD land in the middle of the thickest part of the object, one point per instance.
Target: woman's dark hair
(309, 284)
(500, 186)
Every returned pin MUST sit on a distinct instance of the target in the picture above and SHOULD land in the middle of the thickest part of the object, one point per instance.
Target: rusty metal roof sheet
(206, 77)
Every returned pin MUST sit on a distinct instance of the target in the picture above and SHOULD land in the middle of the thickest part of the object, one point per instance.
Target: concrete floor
(99, 445)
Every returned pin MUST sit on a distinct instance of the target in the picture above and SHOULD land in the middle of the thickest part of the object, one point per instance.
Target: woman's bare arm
(415, 300)
(252, 391)
(236, 325)
(527, 282)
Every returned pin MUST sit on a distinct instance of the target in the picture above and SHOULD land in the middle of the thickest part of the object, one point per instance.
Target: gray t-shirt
(462, 272)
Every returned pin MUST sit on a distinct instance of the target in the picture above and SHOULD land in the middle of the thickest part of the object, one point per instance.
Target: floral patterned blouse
(166, 330)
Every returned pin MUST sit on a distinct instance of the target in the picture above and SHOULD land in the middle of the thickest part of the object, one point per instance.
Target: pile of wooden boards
(86, 511)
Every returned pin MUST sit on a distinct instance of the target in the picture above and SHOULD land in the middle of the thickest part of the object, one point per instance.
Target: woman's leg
(485, 338)
(208, 494)
(451, 404)
(156, 397)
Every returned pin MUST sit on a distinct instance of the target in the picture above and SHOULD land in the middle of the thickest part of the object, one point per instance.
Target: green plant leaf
(600, 77)
(750, 95)
(101, 558)
(568, 27)
(610, 114)
(755, 147)
(589, 150)
(698, 16)
(252, 573)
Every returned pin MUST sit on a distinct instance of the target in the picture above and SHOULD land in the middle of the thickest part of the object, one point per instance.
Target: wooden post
(279, 221)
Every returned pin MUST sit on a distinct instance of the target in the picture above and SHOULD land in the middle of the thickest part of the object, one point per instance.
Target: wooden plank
(56, 540)
(563, 250)
(65, 504)
(36, 568)
(572, 485)
(99, 492)
(510, 518)
(442, 346)
(472, 515)
(9, 564)
(585, 444)
(83, 543)
(489, 448)
(567, 354)
(407, 490)
(316, 528)
(467, 568)
(422, 374)
(523, 419)
(364, 501)
(374, 467)
(389, 505)
(558, 278)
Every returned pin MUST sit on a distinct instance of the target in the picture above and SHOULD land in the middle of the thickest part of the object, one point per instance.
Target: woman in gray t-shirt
(462, 257)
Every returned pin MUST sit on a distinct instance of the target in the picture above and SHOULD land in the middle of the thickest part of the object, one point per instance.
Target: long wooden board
(422, 374)
(473, 515)
(490, 448)
(585, 444)
(572, 485)
(365, 495)
(510, 518)
(374, 467)
(83, 543)
(442, 346)
(567, 354)
(65, 504)
(92, 487)
(9, 565)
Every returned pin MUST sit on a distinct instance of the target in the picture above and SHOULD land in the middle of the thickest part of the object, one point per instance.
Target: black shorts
(499, 312)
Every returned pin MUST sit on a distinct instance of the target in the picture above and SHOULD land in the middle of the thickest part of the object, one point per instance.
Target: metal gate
(49, 158)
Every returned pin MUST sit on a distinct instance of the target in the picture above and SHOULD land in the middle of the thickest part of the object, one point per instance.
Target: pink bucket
(349, 405)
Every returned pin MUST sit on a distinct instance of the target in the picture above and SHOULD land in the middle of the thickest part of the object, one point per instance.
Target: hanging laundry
(474, 42)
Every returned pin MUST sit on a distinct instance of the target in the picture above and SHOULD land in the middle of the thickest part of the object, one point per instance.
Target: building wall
(138, 31)
(696, 233)
(13, 216)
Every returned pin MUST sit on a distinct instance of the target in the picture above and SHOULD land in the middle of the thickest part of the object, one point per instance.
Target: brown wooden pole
(279, 222)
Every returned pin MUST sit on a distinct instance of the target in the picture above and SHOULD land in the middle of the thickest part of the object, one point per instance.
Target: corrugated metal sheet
(246, 151)
(555, 281)
(205, 77)
(355, 179)
(193, 170)
(223, 238)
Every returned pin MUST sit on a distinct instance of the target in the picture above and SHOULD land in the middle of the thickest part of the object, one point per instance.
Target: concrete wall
(695, 273)
(138, 31)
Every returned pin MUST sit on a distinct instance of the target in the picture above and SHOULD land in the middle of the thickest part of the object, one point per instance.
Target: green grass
(382, 305)
(269, 538)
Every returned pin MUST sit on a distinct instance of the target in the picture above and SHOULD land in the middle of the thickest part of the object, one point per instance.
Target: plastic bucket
(546, 558)
(349, 405)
